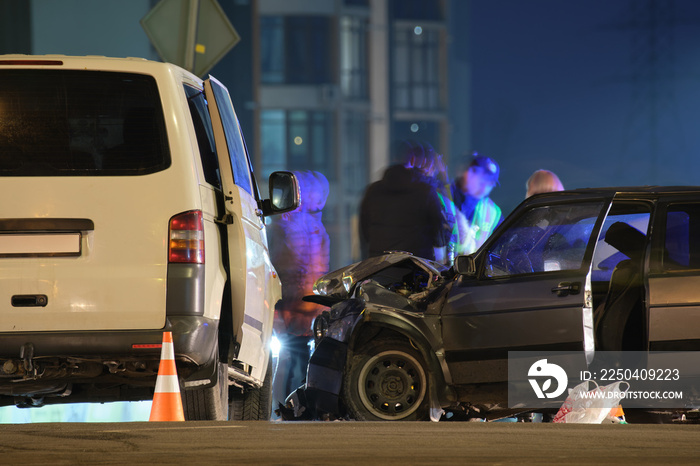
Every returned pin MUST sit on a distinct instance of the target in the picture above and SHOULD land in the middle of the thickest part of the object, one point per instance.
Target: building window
(272, 49)
(360, 3)
(433, 10)
(353, 57)
(417, 67)
(297, 140)
(296, 50)
(355, 166)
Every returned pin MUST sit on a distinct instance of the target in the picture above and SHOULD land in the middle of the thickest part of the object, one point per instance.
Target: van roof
(92, 62)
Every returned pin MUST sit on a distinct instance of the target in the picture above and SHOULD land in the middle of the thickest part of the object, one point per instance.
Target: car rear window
(682, 243)
(80, 123)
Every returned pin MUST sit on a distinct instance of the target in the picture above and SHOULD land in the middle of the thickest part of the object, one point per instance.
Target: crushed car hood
(340, 283)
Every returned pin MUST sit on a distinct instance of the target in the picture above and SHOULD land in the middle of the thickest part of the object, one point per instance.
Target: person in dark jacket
(300, 252)
(402, 211)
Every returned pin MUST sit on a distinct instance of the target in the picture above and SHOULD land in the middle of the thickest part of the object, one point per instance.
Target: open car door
(250, 267)
(532, 291)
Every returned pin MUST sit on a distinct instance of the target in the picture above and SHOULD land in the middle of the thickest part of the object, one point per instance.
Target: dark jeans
(294, 356)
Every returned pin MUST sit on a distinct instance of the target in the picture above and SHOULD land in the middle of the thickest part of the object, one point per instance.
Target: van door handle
(567, 288)
(29, 300)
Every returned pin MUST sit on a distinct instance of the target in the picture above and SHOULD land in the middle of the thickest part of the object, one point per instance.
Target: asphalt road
(347, 442)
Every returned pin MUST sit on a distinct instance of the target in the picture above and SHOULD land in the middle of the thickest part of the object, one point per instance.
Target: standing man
(543, 181)
(470, 193)
(402, 211)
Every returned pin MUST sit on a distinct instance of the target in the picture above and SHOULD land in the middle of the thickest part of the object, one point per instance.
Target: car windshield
(76, 123)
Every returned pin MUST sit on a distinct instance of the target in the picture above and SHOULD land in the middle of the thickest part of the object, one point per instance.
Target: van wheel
(254, 404)
(387, 381)
(208, 404)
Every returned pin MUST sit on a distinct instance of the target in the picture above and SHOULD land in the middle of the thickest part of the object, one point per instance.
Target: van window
(205, 135)
(234, 139)
(80, 123)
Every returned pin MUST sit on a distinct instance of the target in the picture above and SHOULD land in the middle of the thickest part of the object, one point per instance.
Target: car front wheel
(387, 381)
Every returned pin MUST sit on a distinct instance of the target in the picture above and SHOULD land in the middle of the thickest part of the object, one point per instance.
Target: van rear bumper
(87, 365)
(194, 339)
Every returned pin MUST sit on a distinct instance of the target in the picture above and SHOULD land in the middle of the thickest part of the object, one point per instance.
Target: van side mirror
(465, 265)
(284, 194)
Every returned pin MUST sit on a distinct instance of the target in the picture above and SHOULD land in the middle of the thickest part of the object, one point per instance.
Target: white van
(130, 208)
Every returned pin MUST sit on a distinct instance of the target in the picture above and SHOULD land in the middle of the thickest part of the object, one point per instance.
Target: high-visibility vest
(450, 213)
(486, 217)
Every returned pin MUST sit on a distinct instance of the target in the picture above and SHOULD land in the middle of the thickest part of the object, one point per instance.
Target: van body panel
(108, 286)
(87, 285)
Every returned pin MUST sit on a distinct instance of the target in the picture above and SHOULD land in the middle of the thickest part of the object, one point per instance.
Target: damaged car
(406, 338)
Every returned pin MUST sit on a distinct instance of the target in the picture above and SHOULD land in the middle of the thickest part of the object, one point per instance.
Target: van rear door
(84, 167)
(250, 267)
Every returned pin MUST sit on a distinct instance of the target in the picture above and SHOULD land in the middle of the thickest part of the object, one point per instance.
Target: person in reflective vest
(470, 193)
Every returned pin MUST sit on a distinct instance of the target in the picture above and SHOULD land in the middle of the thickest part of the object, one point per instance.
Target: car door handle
(567, 288)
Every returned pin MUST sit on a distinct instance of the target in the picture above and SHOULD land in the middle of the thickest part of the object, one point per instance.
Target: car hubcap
(392, 385)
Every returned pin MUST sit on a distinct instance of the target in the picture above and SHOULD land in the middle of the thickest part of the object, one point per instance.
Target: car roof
(641, 189)
(619, 191)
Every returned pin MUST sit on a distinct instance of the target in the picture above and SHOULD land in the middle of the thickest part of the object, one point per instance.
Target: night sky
(602, 92)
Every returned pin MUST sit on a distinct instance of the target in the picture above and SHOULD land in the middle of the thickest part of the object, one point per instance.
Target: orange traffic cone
(617, 411)
(167, 404)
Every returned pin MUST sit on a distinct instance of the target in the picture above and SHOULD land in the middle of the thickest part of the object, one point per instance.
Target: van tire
(208, 404)
(254, 404)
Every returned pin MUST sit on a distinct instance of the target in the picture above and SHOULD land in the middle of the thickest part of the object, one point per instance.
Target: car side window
(608, 253)
(234, 138)
(197, 104)
(682, 240)
(544, 239)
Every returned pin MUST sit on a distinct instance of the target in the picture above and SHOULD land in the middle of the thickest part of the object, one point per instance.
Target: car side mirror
(284, 194)
(465, 265)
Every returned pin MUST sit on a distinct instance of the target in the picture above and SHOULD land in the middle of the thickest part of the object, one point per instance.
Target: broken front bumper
(324, 380)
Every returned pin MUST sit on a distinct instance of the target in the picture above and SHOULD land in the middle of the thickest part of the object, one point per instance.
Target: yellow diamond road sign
(194, 34)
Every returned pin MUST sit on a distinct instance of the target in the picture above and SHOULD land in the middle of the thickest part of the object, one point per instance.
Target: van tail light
(186, 238)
